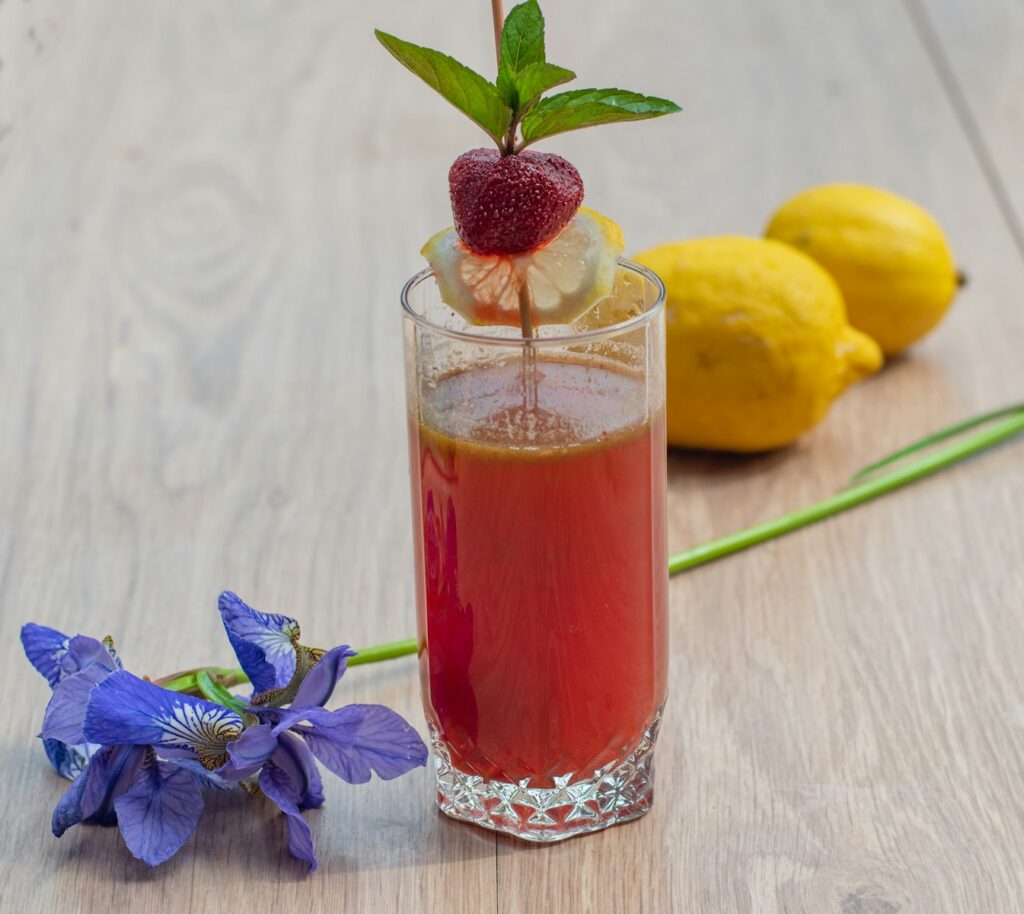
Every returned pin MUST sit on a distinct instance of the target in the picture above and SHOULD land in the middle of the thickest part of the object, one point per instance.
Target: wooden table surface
(206, 213)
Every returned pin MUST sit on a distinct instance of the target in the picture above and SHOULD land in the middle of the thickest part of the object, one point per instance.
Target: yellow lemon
(888, 255)
(757, 342)
(564, 277)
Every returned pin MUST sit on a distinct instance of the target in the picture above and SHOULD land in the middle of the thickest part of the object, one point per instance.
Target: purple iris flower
(155, 803)
(352, 742)
(59, 659)
(145, 753)
(279, 749)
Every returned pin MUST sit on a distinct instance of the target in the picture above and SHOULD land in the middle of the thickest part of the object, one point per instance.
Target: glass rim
(560, 339)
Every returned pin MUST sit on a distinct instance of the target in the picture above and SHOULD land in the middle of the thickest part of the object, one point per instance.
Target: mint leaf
(523, 73)
(522, 37)
(465, 89)
(533, 80)
(522, 45)
(589, 107)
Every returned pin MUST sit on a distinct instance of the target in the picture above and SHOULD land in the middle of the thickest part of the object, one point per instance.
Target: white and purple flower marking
(264, 643)
(140, 755)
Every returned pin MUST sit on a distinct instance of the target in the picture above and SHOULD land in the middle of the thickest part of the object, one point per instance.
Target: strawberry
(507, 204)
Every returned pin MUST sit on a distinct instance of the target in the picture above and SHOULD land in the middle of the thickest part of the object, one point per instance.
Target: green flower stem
(385, 652)
(950, 431)
(228, 677)
(860, 492)
(214, 682)
(188, 681)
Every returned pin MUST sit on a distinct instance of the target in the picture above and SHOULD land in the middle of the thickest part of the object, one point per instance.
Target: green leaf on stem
(215, 692)
(588, 108)
(465, 89)
(523, 73)
(532, 81)
(522, 40)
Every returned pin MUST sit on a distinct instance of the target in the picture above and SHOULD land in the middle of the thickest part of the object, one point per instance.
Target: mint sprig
(511, 110)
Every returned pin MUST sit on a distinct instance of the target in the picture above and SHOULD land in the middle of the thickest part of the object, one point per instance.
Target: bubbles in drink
(575, 403)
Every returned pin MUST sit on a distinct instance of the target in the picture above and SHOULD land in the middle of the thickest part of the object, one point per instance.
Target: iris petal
(84, 652)
(69, 809)
(159, 811)
(65, 712)
(91, 797)
(126, 710)
(264, 643)
(319, 683)
(109, 774)
(295, 759)
(56, 656)
(279, 787)
(357, 740)
(68, 761)
(208, 779)
(45, 648)
(248, 753)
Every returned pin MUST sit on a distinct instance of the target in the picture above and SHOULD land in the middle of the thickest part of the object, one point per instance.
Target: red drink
(538, 482)
(541, 556)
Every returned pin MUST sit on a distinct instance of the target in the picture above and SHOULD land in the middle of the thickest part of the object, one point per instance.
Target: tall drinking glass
(538, 490)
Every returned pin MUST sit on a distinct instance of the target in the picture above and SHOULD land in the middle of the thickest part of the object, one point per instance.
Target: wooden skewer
(499, 20)
(526, 311)
(525, 302)
(529, 350)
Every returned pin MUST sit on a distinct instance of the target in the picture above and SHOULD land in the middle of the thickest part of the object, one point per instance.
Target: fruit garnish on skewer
(565, 277)
(522, 251)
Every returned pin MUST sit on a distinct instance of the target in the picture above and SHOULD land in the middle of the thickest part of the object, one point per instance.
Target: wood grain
(206, 211)
(976, 53)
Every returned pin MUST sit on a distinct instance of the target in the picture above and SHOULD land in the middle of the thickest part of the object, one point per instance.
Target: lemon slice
(565, 277)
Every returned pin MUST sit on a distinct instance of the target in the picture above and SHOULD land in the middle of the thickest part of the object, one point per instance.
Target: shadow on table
(711, 466)
(376, 826)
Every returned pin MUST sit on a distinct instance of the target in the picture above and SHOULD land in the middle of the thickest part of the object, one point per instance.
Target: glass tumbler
(538, 474)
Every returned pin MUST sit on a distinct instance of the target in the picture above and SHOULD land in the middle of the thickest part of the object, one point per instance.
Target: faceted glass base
(619, 792)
